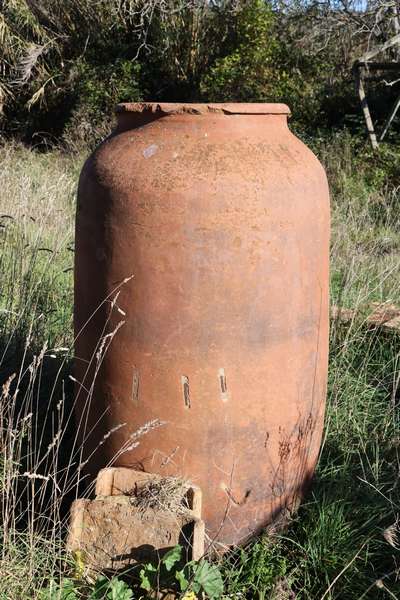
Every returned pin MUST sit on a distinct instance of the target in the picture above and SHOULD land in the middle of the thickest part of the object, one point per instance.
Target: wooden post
(364, 62)
(364, 106)
(390, 118)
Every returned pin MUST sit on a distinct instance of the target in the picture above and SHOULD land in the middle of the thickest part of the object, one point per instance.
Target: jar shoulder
(159, 159)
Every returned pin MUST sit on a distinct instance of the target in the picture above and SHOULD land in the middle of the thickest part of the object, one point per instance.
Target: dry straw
(167, 494)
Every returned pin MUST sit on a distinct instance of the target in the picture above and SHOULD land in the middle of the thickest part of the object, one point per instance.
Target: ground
(343, 543)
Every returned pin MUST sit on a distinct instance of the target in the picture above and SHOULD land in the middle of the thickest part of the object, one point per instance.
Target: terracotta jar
(201, 301)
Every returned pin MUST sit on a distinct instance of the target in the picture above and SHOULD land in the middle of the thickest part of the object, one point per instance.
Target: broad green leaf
(119, 590)
(209, 578)
(172, 557)
(145, 582)
(182, 580)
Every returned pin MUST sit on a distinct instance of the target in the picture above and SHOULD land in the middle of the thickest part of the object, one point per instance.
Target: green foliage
(259, 64)
(364, 189)
(337, 545)
(325, 541)
(254, 570)
(247, 72)
(97, 90)
(110, 589)
(65, 63)
(198, 577)
(36, 248)
(67, 59)
(172, 557)
(103, 589)
(148, 577)
(65, 590)
(182, 42)
(340, 527)
(202, 577)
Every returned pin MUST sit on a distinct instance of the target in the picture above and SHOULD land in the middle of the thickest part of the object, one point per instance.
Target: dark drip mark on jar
(185, 390)
(222, 385)
(135, 386)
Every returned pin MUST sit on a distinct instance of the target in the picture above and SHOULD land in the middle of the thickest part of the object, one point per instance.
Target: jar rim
(229, 108)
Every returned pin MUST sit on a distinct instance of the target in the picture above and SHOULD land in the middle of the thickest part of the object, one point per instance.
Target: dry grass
(36, 474)
(345, 542)
(365, 250)
(41, 464)
(167, 494)
(36, 246)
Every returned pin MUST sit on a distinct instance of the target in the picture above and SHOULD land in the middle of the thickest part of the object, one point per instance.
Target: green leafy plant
(111, 589)
(63, 590)
(201, 576)
(254, 569)
(196, 576)
(103, 589)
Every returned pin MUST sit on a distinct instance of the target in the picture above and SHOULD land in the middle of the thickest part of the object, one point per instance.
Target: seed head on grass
(392, 534)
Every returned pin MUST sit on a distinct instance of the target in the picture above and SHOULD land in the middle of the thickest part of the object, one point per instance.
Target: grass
(36, 245)
(365, 251)
(344, 542)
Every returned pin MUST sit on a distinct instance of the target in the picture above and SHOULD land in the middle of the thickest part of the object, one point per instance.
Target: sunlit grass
(336, 547)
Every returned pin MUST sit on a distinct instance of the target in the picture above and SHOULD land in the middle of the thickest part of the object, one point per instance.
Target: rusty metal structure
(201, 306)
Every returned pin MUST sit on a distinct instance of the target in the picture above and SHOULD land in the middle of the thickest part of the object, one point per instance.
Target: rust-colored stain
(211, 223)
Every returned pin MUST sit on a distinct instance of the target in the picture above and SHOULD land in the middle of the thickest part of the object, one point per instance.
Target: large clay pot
(211, 224)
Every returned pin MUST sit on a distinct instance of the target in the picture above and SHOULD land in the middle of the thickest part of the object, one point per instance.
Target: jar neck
(131, 121)
(139, 114)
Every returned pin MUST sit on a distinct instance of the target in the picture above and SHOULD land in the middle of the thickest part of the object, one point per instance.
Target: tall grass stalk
(344, 542)
(41, 461)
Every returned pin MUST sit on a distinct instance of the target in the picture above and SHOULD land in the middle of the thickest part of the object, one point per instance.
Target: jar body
(201, 301)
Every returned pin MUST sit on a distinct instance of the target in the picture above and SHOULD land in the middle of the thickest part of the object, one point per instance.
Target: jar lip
(178, 108)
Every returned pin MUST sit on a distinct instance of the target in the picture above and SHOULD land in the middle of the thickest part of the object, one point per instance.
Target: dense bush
(65, 63)
(260, 65)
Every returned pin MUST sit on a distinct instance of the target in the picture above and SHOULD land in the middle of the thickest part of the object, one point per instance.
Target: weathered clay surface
(212, 225)
(111, 533)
